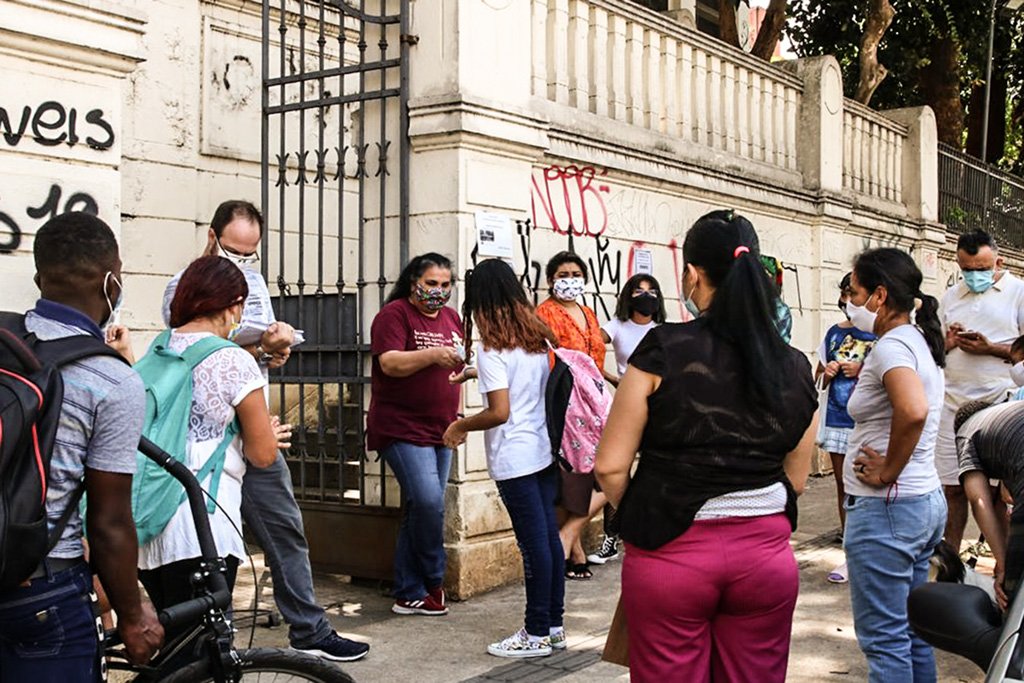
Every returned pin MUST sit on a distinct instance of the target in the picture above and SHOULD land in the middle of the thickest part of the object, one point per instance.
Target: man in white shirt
(982, 315)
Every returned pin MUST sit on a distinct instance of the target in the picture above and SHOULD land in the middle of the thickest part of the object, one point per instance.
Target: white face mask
(861, 317)
(243, 262)
(115, 307)
(568, 288)
(1017, 374)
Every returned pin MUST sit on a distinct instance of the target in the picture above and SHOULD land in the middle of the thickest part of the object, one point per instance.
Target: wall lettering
(51, 124)
(11, 232)
(571, 200)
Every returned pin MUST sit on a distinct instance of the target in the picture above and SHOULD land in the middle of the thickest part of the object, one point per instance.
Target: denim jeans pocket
(34, 635)
(910, 522)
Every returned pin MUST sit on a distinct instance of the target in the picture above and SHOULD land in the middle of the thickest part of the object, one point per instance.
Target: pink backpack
(577, 401)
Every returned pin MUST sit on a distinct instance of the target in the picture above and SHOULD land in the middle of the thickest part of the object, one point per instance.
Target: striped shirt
(100, 424)
(992, 441)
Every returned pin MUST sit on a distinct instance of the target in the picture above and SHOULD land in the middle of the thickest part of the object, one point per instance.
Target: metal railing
(975, 195)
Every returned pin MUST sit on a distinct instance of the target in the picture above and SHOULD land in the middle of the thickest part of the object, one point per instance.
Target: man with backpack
(71, 411)
(268, 502)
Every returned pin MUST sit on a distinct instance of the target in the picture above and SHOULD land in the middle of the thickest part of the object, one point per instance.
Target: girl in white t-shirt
(513, 370)
(641, 307)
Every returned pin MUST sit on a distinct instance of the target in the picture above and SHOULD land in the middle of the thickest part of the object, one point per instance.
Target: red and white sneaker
(426, 607)
(439, 597)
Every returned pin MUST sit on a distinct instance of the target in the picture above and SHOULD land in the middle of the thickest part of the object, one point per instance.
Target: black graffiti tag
(49, 208)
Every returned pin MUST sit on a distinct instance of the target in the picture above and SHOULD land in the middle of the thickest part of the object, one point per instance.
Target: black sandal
(577, 572)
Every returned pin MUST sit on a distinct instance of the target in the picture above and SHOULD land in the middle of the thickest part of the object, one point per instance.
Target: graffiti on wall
(572, 200)
(52, 123)
(41, 210)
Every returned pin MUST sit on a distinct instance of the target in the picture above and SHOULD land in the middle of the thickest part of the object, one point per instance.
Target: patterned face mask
(568, 288)
(433, 299)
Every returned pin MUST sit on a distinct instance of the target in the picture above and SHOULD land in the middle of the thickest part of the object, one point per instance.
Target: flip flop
(839, 575)
(577, 572)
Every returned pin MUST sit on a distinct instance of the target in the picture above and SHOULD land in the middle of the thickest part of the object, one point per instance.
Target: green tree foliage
(935, 52)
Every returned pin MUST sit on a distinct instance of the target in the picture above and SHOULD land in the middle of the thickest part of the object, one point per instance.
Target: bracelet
(262, 356)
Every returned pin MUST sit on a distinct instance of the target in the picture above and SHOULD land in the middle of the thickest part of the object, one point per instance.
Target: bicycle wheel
(268, 665)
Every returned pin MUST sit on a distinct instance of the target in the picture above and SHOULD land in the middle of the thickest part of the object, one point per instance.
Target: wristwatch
(262, 356)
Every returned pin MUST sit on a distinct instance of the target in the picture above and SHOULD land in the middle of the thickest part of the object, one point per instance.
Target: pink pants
(714, 604)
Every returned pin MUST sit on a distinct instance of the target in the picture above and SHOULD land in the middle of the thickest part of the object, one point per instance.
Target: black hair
(232, 209)
(413, 271)
(743, 310)
(1018, 345)
(967, 411)
(971, 242)
(896, 271)
(844, 285)
(75, 245)
(496, 301)
(565, 257)
(623, 309)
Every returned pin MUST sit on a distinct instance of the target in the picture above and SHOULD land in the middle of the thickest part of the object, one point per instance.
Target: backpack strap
(65, 517)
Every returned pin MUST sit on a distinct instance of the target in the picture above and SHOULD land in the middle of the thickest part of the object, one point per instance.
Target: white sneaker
(520, 644)
(558, 639)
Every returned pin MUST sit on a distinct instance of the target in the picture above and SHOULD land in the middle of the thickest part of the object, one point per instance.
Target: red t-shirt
(417, 408)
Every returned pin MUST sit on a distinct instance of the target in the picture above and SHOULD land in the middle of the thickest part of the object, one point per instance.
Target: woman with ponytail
(895, 509)
(722, 410)
(513, 372)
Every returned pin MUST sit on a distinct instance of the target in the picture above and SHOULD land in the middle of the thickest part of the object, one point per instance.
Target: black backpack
(31, 394)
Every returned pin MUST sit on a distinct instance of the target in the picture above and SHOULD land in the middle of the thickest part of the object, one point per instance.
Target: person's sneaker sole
(334, 658)
(414, 611)
(597, 559)
(564, 645)
(518, 654)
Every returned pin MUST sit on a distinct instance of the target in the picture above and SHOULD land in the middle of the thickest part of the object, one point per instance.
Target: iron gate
(335, 197)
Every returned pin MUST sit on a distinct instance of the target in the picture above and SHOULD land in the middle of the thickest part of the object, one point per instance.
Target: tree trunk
(771, 30)
(996, 119)
(940, 85)
(880, 14)
(727, 22)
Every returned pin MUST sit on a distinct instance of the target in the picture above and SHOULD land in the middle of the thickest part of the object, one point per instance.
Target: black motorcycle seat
(956, 618)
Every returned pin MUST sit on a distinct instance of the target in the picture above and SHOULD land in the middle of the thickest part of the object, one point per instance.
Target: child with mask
(575, 326)
(640, 307)
(840, 357)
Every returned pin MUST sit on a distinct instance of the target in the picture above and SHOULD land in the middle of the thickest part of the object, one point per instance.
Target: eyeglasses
(642, 292)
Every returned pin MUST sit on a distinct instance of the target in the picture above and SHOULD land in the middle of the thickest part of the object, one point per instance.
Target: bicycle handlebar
(220, 596)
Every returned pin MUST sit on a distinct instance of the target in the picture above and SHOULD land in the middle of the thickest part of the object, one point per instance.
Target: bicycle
(206, 616)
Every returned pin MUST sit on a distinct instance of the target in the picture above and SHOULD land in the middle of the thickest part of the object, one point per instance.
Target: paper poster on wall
(493, 234)
(643, 261)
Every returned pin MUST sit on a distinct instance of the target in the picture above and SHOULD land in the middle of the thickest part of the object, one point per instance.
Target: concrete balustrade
(611, 58)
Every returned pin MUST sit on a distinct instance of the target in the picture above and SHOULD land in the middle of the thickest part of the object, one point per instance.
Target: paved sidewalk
(453, 648)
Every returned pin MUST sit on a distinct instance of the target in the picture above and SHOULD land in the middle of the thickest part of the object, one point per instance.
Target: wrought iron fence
(975, 195)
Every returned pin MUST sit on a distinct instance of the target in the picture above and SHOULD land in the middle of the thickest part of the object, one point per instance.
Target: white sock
(534, 639)
(557, 630)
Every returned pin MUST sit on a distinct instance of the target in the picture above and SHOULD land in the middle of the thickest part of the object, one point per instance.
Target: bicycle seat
(956, 618)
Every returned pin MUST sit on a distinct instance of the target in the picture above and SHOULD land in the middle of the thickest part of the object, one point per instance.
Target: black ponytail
(744, 306)
(413, 271)
(896, 271)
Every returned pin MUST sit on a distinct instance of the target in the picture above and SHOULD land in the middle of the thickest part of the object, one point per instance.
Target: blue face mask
(692, 307)
(979, 281)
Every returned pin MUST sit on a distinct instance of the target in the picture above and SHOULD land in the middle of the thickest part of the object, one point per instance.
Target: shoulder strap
(65, 517)
(66, 350)
(198, 352)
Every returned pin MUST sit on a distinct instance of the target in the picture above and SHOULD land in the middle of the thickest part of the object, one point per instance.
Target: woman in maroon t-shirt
(416, 342)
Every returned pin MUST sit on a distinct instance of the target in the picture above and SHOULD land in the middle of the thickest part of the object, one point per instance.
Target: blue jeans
(271, 513)
(530, 502)
(422, 473)
(888, 546)
(48, 630)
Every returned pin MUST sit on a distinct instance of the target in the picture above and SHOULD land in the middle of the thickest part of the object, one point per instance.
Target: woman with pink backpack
(513, 369)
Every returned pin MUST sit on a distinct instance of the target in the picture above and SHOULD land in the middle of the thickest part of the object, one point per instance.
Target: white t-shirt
(520, 446)
(625, 336)
(219, 383)
(869, 406)
(997, 313)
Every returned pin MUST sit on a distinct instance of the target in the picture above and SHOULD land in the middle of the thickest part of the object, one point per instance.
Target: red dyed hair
(209, 285)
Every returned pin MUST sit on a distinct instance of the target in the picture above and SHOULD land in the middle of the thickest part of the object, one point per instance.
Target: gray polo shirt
(100, 424)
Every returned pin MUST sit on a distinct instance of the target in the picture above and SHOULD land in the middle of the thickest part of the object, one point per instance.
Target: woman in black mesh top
(722, 411)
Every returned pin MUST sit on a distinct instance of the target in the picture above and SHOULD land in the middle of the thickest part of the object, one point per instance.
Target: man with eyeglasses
(268, 502)
(982, 315)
